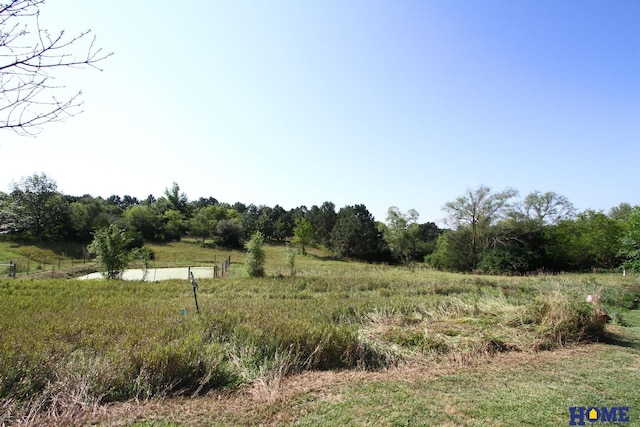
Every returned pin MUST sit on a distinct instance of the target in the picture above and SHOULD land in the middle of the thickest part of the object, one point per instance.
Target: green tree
(356, 234)
(229, 233)
(255, 257)
(264, 222)
(401, 233)
(621, 212)
(5, 217)
(452, 251)
(177, 200)
(86, 215)
(561, 249)
(598, 240)
(479, 209)
(203, 202)
(174, 225)
(249, 219)
(204, 220)
(591, 240)
(145, 219)
(275, 223)
(515, 246)
(322, 219)
(303, 234)
(110, 246)
(36, 209)
(630, 241)
(428, 234)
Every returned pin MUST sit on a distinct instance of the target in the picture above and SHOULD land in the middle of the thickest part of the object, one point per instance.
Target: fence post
(194, 283)
(12, 269)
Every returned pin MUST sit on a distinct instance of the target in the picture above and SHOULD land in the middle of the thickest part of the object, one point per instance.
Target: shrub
(110, 246)
(290, 255)
(255, 255)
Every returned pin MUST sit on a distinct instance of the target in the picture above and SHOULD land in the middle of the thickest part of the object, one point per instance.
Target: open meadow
(331, 343)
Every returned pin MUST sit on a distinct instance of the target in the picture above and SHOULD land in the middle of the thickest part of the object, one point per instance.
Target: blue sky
(385, 103)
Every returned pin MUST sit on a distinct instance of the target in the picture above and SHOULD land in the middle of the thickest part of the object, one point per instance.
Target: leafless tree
(30, 58)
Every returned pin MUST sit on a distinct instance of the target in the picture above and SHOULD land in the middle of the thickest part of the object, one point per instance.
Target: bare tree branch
(30, 58)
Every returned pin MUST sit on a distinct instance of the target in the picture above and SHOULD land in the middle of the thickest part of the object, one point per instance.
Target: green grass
(521, 394)
(67, 343)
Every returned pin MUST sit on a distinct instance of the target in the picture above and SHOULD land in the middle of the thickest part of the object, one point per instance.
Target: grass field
(337, 343)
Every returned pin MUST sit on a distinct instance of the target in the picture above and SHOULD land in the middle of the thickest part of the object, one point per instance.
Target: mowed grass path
(338, 343)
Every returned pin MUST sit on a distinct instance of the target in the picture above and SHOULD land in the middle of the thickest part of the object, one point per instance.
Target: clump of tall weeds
(563, 318)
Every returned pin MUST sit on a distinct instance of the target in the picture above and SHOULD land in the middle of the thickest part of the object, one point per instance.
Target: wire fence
(41, 265)
(216, 271)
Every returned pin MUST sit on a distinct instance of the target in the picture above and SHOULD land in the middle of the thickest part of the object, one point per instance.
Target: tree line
(495, 232)
(34, 210)
(489, 232)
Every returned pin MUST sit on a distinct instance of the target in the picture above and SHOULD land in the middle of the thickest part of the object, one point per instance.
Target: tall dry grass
(70, 345)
